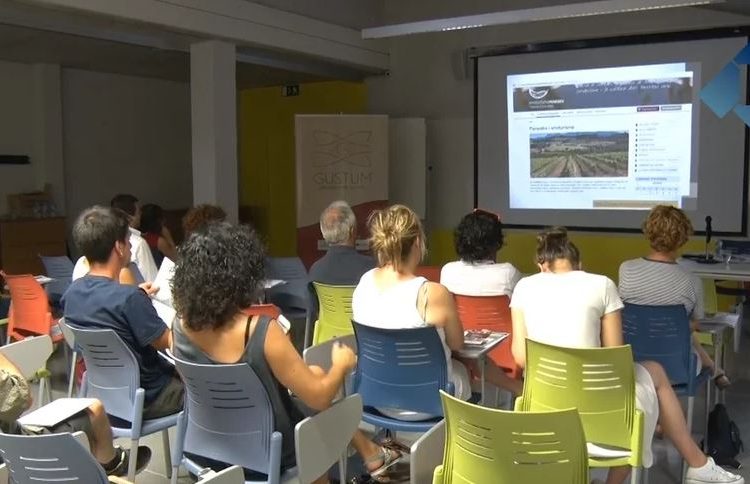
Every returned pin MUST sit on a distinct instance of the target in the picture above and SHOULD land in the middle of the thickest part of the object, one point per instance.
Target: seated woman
(200, 215)
(217, 275)
(392, 296)
(478, 238)
(157, 234)
(657, 279)
(565, 306)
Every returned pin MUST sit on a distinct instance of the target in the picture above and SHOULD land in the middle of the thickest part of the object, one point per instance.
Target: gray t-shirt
(656, 283)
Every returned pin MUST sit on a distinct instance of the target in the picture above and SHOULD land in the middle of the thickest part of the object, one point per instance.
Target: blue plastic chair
(228, 417)
(59, 268)
(401, 369)
(113, 376)
(49, 458)
(663, 334)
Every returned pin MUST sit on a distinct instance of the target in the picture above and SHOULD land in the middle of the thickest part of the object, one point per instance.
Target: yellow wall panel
(266, 144)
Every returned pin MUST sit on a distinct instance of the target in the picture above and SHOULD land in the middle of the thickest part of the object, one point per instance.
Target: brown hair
(200, 215)
(393, 232)
(667, 228)
(553, 244)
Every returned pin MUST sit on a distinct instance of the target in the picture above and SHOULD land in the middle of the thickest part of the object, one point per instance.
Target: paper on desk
(729, 319)
(163, 281)
(605, 452)
(55, 412)
(269, 283)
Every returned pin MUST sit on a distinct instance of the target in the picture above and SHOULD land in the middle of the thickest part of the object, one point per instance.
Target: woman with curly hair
(218, 274)
(657, 279)
(478, 238)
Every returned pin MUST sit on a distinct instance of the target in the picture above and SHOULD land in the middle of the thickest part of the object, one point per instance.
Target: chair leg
(72, 382)
(167, 454)
(133, 459)
(634, 475)
(342, 465)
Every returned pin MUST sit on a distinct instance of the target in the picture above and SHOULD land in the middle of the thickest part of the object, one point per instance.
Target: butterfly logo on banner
(336, 148)
(722, 93)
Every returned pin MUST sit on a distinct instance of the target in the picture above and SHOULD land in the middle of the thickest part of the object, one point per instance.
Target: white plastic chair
(230, 475)
(426, 454)
(30, 356)
(70, 339)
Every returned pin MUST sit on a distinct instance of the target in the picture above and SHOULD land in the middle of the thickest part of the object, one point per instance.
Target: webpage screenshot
(611, 138)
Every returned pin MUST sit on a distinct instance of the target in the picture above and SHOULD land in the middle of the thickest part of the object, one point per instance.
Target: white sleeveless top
(392, 308)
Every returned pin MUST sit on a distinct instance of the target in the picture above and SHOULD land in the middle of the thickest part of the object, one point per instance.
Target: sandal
(721, 380)
(389, 457)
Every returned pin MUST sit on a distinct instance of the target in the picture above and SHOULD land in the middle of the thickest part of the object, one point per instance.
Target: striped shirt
(656, 283)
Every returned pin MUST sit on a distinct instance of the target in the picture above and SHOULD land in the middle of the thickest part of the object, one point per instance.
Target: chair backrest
(30, 312)
(493, 313)
(59, 268)
(30, 354)
(270, 310)
(321, 440)
(293, 294)
(661, 334)
(49, 458)
(431, 273)
(489, 445)
(229, 415)
(334, 311)
(400, 368)
(67, 333)
(599, 382)
(112, 372)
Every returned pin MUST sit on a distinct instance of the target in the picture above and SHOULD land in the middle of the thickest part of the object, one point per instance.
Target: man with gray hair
(342, 265)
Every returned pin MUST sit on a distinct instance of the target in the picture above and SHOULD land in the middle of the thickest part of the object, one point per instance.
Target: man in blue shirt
(99, 301)
(342, 265)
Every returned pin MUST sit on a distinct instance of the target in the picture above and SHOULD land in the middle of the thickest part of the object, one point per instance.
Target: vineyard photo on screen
(581, 154)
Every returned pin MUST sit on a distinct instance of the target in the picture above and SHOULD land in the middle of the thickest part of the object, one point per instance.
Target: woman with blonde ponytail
(392, 296)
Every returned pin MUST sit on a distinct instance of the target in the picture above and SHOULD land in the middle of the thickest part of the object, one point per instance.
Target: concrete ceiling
(27, 45)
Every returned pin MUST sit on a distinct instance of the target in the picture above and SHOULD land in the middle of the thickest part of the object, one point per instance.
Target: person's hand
(149, 288)
(342, 355)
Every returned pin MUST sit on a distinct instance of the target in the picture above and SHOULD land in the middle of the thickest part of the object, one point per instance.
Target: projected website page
(612, 138)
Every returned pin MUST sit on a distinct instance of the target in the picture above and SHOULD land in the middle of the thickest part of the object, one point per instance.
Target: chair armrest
(118, 480)
(427, 454)
(320, 354)
(438, 475)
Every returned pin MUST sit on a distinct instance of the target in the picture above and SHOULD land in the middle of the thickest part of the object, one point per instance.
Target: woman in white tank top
(392, 296)
(565, 306)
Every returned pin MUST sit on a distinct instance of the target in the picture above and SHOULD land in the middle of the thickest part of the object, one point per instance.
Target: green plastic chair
(488, 445)
(600, 383)
(334, 313)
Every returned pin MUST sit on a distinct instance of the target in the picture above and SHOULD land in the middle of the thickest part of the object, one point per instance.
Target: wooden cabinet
(22, 241)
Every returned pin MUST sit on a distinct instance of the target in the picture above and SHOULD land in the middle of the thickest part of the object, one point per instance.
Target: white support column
(47, 156)
(214, 125)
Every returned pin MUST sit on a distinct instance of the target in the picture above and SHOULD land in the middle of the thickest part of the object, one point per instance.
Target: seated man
(99, 301)
(342, 265)
(140, 252)
(15, 398)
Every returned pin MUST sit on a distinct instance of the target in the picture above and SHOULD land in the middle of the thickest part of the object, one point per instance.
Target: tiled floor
(665, 471)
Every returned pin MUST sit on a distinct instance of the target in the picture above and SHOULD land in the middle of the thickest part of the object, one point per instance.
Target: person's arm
(15, 396)
(167, 235)
(441, 312)
(518, 345)
(612, 329)
(146, 325)
(316, 389)
(167, 248)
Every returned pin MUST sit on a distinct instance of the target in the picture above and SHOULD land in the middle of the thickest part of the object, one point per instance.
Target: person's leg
(705, 359)
(672, 419)
(374, 456)
(617, 475)
(100, 436)
(499, 378)
(169, 401)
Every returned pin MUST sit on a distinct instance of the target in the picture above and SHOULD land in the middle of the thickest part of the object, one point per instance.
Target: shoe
(121, 469)
(711, 473)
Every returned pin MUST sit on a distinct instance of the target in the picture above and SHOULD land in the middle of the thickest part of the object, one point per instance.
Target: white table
(479, 353)
(734, 271)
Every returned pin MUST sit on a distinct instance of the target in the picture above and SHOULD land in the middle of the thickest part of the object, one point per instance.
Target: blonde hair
(667, 228)
(393, 232)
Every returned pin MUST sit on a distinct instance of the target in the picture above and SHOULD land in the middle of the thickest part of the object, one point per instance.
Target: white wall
(125, 134)
(423, 82)
(16, 129)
